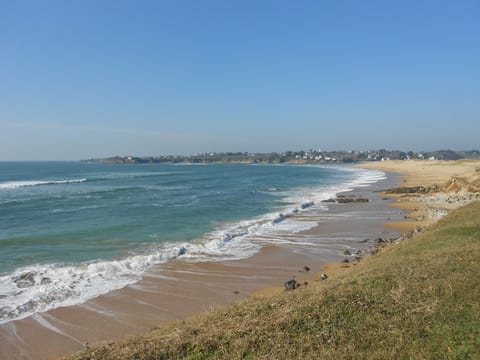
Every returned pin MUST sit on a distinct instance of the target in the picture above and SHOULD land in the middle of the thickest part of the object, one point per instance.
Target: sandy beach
(179, 289)
(428, 172)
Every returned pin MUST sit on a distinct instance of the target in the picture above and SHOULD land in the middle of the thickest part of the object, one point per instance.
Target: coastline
(178, 289)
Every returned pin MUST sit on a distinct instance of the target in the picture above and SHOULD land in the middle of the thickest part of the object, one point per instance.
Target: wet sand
(179, 289)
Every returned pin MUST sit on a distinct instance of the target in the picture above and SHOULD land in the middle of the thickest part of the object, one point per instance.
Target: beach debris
(347, 253)
(291, 284)
(346, 261)
(305, 283)
(236, 292)
(324, 276)
(86, 345)
(305, 268)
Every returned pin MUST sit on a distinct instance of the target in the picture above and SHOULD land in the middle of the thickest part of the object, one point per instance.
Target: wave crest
(19, 184)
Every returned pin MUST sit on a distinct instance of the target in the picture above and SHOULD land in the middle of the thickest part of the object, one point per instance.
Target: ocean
(71, 231)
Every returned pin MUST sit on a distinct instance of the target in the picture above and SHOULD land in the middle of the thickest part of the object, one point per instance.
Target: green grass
(419, 299)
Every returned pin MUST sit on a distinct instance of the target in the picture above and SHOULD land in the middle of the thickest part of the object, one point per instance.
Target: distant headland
(301, 157)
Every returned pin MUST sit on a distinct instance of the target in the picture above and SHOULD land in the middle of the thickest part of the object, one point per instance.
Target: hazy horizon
(98, 79)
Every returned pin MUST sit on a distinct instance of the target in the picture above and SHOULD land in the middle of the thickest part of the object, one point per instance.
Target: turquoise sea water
(70, 231)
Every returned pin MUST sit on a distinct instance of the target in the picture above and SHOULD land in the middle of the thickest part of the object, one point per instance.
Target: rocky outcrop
(438, 200)
(458, 184)
(346, 200)
(352, 200)
(412, 190)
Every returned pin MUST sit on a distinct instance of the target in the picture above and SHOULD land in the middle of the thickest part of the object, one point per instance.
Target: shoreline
(178, 289)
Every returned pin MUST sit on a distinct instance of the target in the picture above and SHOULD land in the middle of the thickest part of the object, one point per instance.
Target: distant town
(310, 156)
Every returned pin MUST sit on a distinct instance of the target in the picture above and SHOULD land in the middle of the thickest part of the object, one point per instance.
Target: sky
(82, 79)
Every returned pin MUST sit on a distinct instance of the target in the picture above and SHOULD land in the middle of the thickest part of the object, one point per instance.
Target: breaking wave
(19, 184)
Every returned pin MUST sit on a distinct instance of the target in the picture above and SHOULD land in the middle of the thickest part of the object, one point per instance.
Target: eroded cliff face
(461, 184)
(436, 201)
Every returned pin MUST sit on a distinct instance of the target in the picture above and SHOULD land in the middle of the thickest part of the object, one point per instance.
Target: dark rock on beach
(380, 241)
(411, 190)
(307, 204)
(291, 284)
(25, 280)
(329, 201)
(352, 200)
(346, 200)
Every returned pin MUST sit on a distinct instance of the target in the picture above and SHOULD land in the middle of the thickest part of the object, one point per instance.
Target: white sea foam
(19, 184)
(38, 288)
(80, 208)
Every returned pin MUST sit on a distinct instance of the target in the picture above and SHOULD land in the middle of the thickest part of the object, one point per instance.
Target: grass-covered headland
(419, 299)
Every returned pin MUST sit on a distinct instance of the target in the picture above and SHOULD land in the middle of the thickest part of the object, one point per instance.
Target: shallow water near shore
(72, 231)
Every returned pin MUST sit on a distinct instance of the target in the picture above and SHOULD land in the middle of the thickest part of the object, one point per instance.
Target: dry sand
(427, 172)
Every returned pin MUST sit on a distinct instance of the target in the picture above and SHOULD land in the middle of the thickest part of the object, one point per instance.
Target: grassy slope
(416, 300)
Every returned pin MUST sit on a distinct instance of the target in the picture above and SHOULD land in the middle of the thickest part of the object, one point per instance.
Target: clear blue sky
(97, 78)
